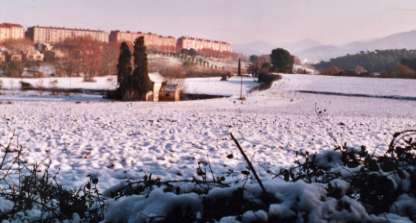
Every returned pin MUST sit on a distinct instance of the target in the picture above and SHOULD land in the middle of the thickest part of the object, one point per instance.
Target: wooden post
(239, 73)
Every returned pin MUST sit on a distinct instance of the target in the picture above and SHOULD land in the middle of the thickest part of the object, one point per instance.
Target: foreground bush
(28, 194)
(341, 185)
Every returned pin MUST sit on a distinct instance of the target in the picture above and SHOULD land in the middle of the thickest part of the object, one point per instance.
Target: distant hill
(261, 47)
(314, 51)
(300, 46)
(379, 61)
(256, 47)
(323, 52)
(404, 40)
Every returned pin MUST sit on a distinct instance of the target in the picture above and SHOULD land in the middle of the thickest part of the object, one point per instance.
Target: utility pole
(239, 73)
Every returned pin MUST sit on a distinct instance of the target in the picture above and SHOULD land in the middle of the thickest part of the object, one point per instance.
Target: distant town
(27, 51)
(50, 35)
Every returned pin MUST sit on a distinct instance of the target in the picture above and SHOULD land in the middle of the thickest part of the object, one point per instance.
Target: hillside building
(199, 44)
(44, 34)
(9, 31)
(2, 57)
(34, 56)
(14, 57)
(152, 41)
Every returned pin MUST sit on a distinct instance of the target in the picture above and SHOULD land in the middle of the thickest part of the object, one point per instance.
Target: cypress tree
(124, 66)
(141, 73)
(124, 77)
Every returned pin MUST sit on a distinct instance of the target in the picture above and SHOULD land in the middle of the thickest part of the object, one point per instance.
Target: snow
(5, 205)
(304, 196)
(139, 209)
(293, 200)
(99, 83)
(301, 68)
(404, 205)
(119, 141)
(251, 216)
(16, 95)
(156, 78)
(214, 86)
(209, 86)
(162, 59)
(341, 185)
(350, 85)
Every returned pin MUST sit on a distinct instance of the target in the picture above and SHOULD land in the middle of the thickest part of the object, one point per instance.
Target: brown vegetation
(332, 70)
(21, 45)
(85, 56)
(403, 71)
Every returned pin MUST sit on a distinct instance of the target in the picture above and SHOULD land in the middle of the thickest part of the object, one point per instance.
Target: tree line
(387, 63)
(80, 56)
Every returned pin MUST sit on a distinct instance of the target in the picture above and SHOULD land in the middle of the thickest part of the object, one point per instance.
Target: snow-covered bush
(29, 194)
(341, 185)
(380, 183)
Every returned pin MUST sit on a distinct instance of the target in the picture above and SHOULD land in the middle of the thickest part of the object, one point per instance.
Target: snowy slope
(349, 85)
(214, 86)
(119, 141)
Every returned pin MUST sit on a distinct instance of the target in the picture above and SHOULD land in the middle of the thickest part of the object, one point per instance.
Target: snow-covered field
(99, 83)
(119, 141)
(351, 85)
(209, 86)
(214, 86)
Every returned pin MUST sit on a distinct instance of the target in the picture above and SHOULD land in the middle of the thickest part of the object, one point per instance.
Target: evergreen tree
(141, 74)
(253, 59)
(282, 61)
(410, 63)
(378, 61)
(124, 67)
(254, 66)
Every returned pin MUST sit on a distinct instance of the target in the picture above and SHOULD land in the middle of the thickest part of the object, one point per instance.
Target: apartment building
(199, 44)
(9, 31)
(2, 57)
(151, 40)
(45, 34)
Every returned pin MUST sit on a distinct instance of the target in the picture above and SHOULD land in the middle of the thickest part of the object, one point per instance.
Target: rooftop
(10, 25)
(64, 28)
(201, 39)
(143, 33)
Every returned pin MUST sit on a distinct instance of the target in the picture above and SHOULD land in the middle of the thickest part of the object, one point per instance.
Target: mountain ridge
(314, 51)
(402, 40)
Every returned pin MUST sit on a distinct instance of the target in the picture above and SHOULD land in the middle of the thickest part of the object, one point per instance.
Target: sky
(236, 21)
